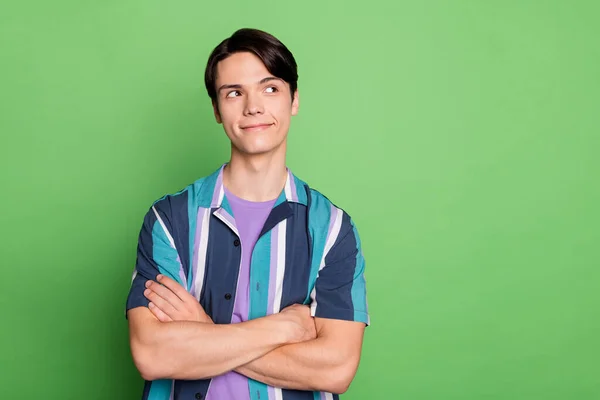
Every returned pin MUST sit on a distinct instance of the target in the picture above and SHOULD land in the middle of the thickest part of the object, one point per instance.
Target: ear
(216, 112)
(296, 103)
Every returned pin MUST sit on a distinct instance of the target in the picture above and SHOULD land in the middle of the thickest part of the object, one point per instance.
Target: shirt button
(227, 296)
(198, 396)
(236, 242)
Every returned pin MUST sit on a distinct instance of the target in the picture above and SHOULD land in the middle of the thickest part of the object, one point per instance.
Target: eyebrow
(238, 86)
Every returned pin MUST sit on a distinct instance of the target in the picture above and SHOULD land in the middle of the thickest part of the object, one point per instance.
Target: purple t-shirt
(249, 218)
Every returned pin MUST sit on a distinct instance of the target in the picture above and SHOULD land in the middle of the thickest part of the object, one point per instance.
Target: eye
(271, 89)
(233, 93)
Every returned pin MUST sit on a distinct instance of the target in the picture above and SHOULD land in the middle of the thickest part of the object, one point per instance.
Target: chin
(259, 148)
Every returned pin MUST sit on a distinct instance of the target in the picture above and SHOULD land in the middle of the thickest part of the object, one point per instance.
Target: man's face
(254, 107)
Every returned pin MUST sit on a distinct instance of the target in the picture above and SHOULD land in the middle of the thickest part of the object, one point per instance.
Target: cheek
(281, 111)
(228, 114)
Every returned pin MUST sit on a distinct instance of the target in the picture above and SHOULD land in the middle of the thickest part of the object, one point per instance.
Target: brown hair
(278, 60)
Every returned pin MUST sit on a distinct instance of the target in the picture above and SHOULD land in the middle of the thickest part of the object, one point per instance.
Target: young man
(248, 284)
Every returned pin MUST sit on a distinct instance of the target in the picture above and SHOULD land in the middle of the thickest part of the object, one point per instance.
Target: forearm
(312, 365)
(194, 350)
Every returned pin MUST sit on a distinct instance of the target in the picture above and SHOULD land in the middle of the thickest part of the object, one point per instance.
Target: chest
(279, 269)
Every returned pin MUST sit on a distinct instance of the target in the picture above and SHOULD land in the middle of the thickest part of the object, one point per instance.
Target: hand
(169, 301)
(301, 322)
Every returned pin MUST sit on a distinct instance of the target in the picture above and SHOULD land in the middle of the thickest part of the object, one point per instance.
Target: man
(248, 284)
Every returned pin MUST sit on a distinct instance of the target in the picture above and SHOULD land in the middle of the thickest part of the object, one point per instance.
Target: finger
(166, 294)
(161, 316)
(165, 306)
(174, 287)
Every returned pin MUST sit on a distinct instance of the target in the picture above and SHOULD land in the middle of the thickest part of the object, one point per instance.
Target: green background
(462, 136)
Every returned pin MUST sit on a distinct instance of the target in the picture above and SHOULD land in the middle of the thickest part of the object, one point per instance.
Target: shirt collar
(293, 192)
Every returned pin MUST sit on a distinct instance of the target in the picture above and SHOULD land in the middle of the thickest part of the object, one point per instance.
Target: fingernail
(150, 305)
(146, 292)
(148, 283)
(159, 277)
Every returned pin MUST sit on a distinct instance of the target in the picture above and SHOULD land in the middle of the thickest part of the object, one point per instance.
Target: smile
(255, 127)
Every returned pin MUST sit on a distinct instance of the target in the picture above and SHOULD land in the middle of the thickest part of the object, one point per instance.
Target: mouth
(255, 127)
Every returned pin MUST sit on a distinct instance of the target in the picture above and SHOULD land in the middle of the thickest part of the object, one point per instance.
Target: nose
(253, 105)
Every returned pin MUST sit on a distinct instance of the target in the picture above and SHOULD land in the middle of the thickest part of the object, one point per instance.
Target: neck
(259, 177)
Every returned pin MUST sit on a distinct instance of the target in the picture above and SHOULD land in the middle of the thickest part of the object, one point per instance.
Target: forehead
(242, 68)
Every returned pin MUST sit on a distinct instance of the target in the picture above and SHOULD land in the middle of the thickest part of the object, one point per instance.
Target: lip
(255, 127)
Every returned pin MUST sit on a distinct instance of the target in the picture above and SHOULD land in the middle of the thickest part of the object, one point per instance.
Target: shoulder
(200, 193)
(332, 228)
(172, 201)
(328, 215)
(319, 202)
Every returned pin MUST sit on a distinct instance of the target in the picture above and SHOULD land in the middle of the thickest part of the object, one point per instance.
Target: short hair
(278, 60)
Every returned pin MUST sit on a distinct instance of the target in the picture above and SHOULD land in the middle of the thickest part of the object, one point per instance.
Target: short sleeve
(340, 289)
(156, 254)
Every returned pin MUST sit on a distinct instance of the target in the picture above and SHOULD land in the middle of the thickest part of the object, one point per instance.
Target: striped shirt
(308, 252)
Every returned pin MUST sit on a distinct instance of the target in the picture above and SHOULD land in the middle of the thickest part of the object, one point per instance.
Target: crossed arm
(174, 338)
(326, 363)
